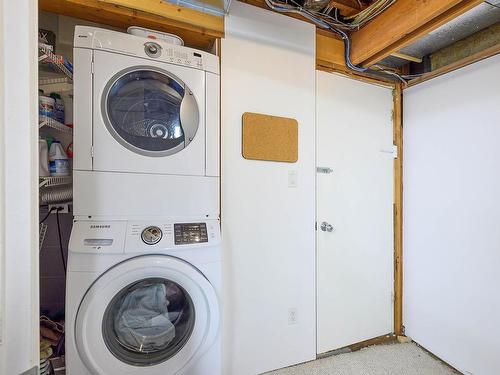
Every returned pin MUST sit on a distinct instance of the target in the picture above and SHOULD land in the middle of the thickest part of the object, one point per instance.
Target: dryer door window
(150, 111)
(148, 322)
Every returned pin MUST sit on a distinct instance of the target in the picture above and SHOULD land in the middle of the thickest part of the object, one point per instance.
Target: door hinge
(393, 151)
(92, 67)
(91, 151)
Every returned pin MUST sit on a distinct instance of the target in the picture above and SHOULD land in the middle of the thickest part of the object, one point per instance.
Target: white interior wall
(19, 176)
(268, 66)
(452, 216)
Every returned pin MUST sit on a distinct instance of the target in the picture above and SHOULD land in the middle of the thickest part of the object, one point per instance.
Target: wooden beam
(489, 52)
(121, 17)
(398, 211)
(184, 17)
(329, 49)
(406, 57)
(401, 24)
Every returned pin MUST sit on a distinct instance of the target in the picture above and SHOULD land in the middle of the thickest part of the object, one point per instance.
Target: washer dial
(151, 235)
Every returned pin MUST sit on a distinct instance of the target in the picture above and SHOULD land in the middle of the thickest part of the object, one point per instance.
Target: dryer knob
(152, 49)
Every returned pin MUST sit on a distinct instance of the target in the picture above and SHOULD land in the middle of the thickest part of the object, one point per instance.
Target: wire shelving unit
(45, 56)
(51, 123)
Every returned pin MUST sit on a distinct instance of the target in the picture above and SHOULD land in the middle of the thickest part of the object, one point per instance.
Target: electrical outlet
(63, 208)
(292, 316)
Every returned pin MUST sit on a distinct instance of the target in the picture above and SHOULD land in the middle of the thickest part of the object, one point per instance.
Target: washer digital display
(189, 233)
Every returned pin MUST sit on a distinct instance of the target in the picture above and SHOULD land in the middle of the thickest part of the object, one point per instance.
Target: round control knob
(152, 49)
(151, 235)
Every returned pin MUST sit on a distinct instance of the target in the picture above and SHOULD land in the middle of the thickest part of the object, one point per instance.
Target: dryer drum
(143, 110)
(148, 322)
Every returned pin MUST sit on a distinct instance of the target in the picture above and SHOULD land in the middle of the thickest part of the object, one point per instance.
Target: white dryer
(143, 298)
(146, 124)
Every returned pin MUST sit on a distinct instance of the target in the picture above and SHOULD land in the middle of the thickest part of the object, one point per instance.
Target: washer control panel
(190, 233)
(151, 235)
(155, 235)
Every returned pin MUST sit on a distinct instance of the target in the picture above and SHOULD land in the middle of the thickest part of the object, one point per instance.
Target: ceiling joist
(207, 24)
(406, 57)
(401, 24)
(196, 28)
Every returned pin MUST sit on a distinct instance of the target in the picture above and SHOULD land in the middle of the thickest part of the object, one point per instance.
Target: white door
(354, 211)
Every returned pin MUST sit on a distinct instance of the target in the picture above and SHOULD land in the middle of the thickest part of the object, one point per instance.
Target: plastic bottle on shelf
(43, 150)
(58, 107)
(69, 150)
(58, 160)
(49, 139)
(67, 98)
(46, 106)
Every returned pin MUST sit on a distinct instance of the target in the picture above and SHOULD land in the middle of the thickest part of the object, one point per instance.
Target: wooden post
(398, 212)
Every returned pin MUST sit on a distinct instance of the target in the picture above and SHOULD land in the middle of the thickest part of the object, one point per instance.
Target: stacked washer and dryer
(144, 265)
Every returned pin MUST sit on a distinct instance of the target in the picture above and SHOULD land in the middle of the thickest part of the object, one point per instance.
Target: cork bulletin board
(270, 138)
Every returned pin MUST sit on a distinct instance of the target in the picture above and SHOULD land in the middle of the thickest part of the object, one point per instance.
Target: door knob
(325, 227)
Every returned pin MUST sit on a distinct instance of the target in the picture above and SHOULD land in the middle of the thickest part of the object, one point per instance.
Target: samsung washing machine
(146, 116)
(143, 298)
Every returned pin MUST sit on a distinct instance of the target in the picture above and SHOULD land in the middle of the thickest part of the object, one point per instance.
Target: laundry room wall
(268, 67)
(64, 28)
(452, 216)
(52, 275)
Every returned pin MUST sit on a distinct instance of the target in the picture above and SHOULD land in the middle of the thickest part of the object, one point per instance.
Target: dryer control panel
(189, 233)
(132, 45)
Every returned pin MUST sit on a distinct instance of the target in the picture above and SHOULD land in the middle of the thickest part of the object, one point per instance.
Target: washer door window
(150, 112)
(148, 322)
(149, 315)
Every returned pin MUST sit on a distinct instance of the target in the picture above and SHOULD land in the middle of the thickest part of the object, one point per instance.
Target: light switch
(292, 179)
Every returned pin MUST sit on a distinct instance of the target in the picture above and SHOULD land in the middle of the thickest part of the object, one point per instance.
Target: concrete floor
(394, 359)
